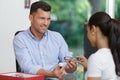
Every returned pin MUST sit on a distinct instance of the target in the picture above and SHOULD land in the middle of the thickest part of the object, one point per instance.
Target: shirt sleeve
(94, 67)
(64, 51)
(23, 56)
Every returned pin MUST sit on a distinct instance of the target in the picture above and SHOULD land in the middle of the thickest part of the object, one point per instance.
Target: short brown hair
(40, 4)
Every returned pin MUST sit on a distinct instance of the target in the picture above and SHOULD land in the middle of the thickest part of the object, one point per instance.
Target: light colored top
(33, 54)
(101, 64)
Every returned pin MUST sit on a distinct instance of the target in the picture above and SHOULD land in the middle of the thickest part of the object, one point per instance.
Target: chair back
(18, 69)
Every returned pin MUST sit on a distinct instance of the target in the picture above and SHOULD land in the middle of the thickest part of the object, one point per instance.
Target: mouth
(43, 27)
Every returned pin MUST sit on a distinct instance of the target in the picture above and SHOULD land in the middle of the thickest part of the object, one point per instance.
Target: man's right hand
(59, 72)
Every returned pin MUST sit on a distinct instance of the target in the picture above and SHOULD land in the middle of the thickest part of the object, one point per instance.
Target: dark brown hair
(40, 5)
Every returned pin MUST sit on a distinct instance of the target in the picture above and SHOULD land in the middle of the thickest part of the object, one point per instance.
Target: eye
(48, 19)
(41, 18)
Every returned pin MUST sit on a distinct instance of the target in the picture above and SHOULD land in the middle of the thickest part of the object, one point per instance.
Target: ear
(30, 17)
(94, 29)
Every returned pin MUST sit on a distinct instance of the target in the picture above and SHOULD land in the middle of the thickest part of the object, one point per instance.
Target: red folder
(20, 76)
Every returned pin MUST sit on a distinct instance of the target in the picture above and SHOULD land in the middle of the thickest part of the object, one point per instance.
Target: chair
(18, 69)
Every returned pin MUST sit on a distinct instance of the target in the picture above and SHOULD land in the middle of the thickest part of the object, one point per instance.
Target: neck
(36, 34)
(39, 36)
(102, 42)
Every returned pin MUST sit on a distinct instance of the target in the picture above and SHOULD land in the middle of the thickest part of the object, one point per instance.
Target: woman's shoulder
(101, 53)
(102, 56)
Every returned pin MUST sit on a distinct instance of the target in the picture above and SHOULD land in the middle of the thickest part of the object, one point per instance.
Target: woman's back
(101, 64)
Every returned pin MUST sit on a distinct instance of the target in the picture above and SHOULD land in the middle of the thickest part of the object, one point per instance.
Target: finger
(83, 63)
(80, 57)
(62, 73)
(80, 62)
(69, 65)
(72, 65)
(57, 67)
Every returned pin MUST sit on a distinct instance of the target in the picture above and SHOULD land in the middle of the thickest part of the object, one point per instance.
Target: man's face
(40, 21)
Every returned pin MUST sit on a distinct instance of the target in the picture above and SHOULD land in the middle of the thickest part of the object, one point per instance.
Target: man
(39, 50)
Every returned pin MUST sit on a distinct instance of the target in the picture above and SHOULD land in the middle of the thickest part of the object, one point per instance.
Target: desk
(20, 76)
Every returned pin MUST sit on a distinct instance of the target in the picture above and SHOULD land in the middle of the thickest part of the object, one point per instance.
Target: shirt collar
(29, 32)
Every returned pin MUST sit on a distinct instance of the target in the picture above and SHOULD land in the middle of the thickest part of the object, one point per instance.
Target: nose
(45, 22)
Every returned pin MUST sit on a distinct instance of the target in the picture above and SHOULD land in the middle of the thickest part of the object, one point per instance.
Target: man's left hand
(71, 66)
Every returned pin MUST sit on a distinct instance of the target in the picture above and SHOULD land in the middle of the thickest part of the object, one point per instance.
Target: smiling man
(39, 50)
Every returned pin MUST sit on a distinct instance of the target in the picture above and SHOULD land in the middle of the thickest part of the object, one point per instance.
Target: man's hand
(59, 72)
(71, 66)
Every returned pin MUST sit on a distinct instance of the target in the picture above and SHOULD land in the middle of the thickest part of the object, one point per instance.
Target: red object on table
(20, 76)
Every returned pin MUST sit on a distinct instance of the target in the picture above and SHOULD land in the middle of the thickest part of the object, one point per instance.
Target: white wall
(13, 17)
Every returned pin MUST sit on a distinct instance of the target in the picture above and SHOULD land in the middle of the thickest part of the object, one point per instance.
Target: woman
(103, 32)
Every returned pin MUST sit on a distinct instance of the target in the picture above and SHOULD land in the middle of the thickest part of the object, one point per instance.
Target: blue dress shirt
(33, 54)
